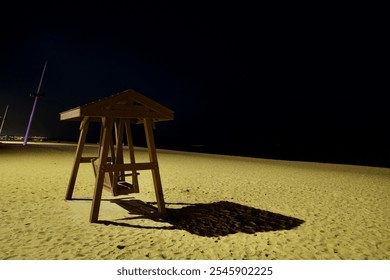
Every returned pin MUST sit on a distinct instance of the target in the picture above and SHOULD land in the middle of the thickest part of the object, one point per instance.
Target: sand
(221, 207)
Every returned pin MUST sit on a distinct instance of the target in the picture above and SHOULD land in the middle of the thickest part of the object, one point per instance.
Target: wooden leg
(111, 176)
(100, 139)
(119, 127)
(155, 171)
(129, 136)
(80, 146)
(107, 124)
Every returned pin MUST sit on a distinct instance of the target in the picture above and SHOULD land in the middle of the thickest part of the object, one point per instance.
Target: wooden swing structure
(116, 114)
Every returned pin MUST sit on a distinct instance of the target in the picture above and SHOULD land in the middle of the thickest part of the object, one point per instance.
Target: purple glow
(35, 104)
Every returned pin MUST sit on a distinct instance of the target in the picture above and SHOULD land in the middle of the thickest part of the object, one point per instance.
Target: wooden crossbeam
(130, 166)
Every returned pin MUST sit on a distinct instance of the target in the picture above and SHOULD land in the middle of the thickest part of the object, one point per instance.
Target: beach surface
(220, 208)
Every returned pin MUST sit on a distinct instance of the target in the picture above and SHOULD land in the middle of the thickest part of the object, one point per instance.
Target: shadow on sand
(209, 219)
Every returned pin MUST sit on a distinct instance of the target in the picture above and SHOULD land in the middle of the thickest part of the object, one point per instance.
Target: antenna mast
(2, 122)
(37, 95)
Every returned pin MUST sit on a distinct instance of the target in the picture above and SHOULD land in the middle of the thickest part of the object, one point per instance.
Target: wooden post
(79, 151)
(148, 124)
(100, 139)
(129, 137)
(119, 127)
(107, 124)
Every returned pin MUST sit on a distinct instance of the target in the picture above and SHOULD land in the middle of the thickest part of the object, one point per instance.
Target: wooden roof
(128, 104)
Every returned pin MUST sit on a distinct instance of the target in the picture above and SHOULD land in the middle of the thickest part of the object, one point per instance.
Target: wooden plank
(148, 124)
(86, 159)
(155, 106)
(79, 151)
(70, 114)
(131, 174)
(89, 159)
(122, 105)
(130, 166)
(101, 112)
(107, 124)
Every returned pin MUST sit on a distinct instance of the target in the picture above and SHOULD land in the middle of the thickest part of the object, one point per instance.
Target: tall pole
(2, 122)
(34, 105)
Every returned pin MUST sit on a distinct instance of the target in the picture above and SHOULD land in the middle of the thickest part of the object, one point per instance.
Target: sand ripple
(219, 207)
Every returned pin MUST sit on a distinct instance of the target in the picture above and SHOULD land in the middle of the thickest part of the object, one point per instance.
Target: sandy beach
(220, 208)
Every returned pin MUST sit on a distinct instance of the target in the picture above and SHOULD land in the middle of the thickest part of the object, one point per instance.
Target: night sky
(296, 81)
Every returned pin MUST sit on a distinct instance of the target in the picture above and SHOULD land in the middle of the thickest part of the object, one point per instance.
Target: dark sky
(283, 81)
